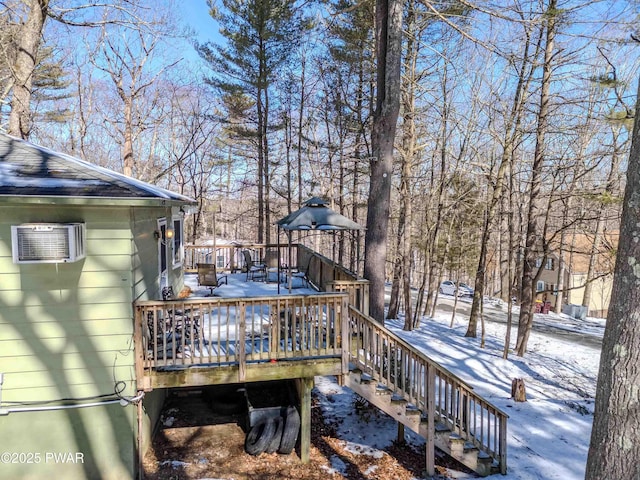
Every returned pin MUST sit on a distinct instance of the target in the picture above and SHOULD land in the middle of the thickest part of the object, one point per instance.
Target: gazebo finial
(315, 202)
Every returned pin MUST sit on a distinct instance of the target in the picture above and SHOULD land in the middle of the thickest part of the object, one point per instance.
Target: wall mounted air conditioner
(48, 242)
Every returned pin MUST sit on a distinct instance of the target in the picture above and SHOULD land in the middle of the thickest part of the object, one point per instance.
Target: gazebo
(314, 215)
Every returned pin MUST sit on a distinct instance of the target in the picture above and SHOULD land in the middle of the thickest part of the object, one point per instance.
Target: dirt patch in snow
(195, 443)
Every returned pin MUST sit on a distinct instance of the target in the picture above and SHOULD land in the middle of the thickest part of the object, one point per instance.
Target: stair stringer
(410, 416)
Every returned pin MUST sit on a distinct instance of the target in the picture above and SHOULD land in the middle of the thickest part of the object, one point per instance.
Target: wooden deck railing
(357, 289)
(231, 258)
(228, 331)
(444, 397)
(321, 271)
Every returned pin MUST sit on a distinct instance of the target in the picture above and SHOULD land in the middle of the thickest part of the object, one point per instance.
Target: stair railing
(439, 393)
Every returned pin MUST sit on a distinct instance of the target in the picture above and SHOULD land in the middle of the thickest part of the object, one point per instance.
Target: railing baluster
(394, 362)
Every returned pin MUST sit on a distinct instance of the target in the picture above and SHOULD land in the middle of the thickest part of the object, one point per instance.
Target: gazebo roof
(315, 215)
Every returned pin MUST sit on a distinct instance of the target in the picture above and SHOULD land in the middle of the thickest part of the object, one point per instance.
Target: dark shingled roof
(28, 170)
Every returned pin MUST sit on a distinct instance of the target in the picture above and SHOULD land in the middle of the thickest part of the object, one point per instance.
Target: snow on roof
(30, 170)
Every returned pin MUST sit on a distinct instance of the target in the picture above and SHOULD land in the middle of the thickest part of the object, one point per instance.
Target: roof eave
(94, 201)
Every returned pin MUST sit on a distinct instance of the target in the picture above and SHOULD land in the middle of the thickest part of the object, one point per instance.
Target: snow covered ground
(548, 436)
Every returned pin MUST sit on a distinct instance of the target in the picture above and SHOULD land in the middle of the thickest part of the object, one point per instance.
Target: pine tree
(261, 35)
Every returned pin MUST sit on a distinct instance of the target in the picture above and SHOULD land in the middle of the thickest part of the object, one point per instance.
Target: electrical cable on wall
(72, 402)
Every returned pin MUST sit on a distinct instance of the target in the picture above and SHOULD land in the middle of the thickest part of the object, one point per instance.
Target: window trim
(177, 242)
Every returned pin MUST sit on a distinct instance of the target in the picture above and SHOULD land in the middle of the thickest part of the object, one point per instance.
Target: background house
(78, 245)
(547, 283)
(577, 255)
(604, 264)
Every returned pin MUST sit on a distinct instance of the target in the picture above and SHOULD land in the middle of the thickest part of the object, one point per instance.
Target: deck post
(503, 445)
(431, 424)
(139, 414)
(345, 334)
(242, 335)
(139, 351)
(400, 437)
(305, 385)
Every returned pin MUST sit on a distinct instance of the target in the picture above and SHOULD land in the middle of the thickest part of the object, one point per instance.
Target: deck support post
(242, 354)
(345, 334)
(400, 437)
(139, 414)
(305, 385)
(431, 423)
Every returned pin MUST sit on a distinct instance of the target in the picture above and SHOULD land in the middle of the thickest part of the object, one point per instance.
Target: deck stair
(412, 417)
(424, 396)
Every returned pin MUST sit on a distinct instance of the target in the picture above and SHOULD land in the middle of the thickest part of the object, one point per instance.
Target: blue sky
(196, 15)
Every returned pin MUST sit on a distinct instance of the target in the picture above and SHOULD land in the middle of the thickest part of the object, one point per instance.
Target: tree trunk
(261, 162)
(300, 130)
(266, 169)
(512, 136)
(518, 390)
(509, 272)
(403, 254)
(24, 64)
(531, 252)
(389, 43)
(434, 271)
(127, 144)
(562, 269)
(615, 437)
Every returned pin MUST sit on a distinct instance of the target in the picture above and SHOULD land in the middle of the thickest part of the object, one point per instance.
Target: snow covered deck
(246, 332)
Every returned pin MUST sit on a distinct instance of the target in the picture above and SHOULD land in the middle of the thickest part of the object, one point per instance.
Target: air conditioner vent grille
(48, 243)
(38, 245)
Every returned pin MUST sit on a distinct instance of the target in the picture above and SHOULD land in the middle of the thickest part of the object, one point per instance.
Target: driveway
(580, 332)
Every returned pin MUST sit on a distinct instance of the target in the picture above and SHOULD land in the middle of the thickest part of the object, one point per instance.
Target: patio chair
(179, 322)
(271, 265)
(301, 272)
(208, 277)
(167, 294)
(255, 269)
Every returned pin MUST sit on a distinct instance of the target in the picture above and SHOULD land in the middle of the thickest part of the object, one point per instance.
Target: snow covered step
(381, 391)
(485, 465)
(412, 417)
(463, 451)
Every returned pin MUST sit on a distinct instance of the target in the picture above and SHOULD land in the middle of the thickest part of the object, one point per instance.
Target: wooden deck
(215, 340)
(199, 341)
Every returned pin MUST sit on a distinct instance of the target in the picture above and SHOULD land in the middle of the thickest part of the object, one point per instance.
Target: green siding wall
(67, 325)
(146, 284)
(66, 331)
(103, 436)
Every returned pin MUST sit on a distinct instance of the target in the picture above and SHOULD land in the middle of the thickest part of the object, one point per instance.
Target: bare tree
(128, 65)
(408, 151)
(512, 135)
(389, 54)
(533, 235)
(24, 64)
(34, 14)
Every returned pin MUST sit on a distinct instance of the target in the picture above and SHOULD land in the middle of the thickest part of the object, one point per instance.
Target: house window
(538, 262)
(540, 286)
(550, 264)
(177, 242)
